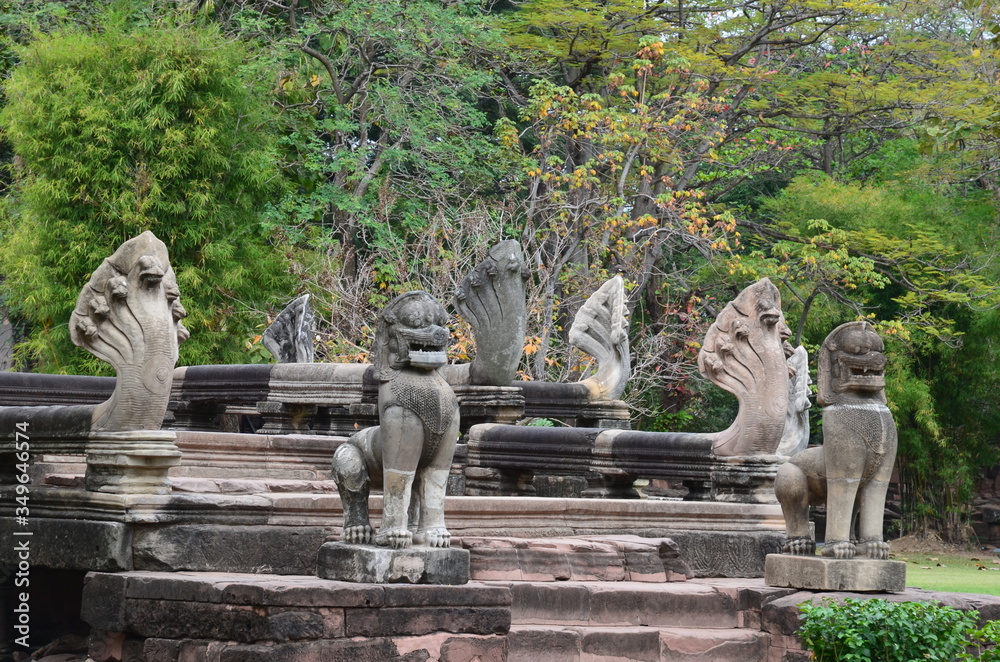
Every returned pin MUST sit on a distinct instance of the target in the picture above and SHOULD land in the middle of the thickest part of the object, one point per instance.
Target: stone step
(691, 604)
(230, 455)
(553, 643)
(580, 558)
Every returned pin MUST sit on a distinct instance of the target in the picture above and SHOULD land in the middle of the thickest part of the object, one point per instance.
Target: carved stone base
(367, 564)
(131, 462)
(817, 573)
(744, 479)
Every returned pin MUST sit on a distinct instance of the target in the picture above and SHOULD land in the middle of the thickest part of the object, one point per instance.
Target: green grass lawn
(947, 572)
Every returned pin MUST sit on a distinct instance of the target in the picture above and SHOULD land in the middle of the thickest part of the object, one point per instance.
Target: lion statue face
(852, 365)
(411, 333)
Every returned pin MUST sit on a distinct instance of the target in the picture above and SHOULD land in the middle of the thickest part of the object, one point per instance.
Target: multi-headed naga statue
(850, 472)
(409, 454)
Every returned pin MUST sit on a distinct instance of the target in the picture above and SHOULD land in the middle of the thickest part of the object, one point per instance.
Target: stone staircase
(182, 616)
(698, 620)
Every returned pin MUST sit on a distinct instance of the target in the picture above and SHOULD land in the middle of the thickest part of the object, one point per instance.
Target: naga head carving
(852, 365)
(491, 299)
(131, 288)
(290, 337)
(745, 353)
(129, 315)
(411, 333)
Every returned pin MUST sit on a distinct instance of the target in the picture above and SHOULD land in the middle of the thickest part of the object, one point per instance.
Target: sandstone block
(713, 645)
(529, 643)
(686, 606)
(71, 544)
(402, 621)
(429, 595)
(104, 602)
(825, 574)
(555, 603)
(468, 648)
(634, 644)
(368, 564)
(377, 649)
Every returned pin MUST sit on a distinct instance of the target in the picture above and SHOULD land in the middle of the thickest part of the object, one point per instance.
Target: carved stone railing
(745, 352)
(507, 460)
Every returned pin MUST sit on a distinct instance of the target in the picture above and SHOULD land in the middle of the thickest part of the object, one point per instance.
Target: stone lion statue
(409, 454)
(850, 472)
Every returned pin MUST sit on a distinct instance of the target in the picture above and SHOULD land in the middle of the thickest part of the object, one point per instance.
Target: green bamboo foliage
(127, 129)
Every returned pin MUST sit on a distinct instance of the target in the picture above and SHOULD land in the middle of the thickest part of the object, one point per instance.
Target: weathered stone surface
(104, 602)
(633, 644)
(492, 300)
(228, 548)
(850, 473)
(744, 479)
(588, 558)
(600, 329)
(397, 621)
(713, 645)
(30, 389)
(795, 436)
(223, 610)
(825, 574)
(650, 559)
(260, 457)
(376, 565)
(70, 544)
(572, 404)
(133, 462)
(290, 336)
(731, 553)
(201, 394)
(469, 648)
(169, 619)
(684, 604)
(532, 643)
(744, 353)
(378, 649)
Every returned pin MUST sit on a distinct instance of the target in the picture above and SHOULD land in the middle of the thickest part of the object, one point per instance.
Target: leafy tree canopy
(124, 129)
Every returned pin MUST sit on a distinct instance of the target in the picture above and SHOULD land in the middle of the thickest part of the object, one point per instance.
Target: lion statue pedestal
(849, 473)
(408, 455)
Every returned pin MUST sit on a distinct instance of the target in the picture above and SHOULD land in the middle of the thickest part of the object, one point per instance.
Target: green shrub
(882, 631)
(165, 127)
(985, 641)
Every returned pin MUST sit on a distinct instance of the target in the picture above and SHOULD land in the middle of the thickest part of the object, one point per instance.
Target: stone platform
(181, 617)
(166, 617)
(818, 573)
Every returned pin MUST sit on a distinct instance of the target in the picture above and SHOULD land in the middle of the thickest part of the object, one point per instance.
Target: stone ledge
(818, 573)
(246, 608)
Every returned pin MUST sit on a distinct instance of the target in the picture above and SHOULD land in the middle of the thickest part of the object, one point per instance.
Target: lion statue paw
(358, 535)
(839, 549)
(799, 546)
(394, 538)
(875, 549)
(438, 537)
